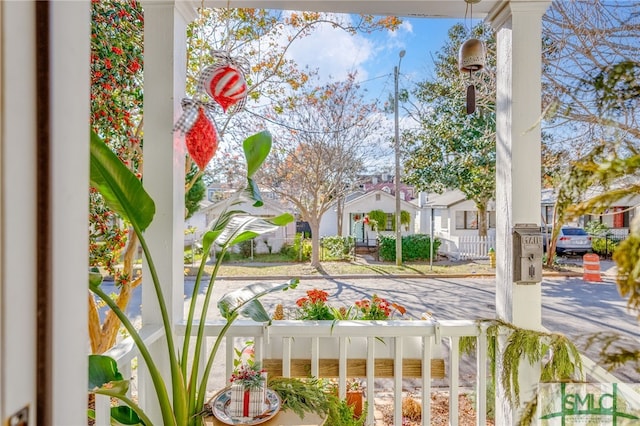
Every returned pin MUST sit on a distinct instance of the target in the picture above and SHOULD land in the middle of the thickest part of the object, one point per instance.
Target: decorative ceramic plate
(221, 402)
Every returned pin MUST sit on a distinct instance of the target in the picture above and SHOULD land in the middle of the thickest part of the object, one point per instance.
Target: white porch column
(70, 84)
(44, 140)
(518, 169)
(164, 86)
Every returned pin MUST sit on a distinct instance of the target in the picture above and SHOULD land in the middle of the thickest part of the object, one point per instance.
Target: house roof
(269, 207)
(353, 196)
(549, 196)
(373, 193)
(446, 199)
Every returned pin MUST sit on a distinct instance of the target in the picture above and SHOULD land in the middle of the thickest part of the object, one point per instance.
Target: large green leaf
(243, 301)
(102, 370)
(122, 191)
(95, 278)
(125, 415)
(256, 149)
(253, 192)
(245, 227)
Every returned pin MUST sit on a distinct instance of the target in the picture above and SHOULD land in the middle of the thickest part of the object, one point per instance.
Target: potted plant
(355, 397)
(181, 398)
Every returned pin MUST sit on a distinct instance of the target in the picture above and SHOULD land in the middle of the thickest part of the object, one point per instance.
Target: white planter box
(329, 346)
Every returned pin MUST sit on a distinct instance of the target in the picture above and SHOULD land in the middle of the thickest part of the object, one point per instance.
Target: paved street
(570, 305)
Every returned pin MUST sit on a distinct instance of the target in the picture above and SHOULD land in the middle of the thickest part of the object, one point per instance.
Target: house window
(389, 224)
(377, 197)
(467, 219)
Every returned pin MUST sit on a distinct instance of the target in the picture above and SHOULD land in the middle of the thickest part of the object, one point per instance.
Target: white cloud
(333, 51)
(405, 27)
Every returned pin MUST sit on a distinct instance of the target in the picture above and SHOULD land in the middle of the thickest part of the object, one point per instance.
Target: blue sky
(335, 54)
(374, 56)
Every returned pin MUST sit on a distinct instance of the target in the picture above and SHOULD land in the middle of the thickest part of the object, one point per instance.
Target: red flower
(317, 295)
(116, 50)
(377, 308)
(134, 66)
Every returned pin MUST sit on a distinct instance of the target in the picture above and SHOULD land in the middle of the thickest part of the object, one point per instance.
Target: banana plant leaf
(120, 188)
(125, 415)
(245, 301)
(95, 278)
(245, 227)
(103, 370)
(256, 148)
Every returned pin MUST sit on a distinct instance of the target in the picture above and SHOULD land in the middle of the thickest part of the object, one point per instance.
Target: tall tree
(450, 149)
(330, 132)
(264, 37)
(590, 74)
(116, 109)
(590, 95)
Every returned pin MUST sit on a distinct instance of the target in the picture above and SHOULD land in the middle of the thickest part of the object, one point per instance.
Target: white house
(272, 241)
(357, 206)
(453, 219)
(617, 217)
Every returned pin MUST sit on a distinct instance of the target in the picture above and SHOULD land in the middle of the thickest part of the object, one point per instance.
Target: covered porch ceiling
(413, 8)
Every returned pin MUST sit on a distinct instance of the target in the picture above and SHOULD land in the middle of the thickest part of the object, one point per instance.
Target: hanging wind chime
(471, 59)
(225, 84)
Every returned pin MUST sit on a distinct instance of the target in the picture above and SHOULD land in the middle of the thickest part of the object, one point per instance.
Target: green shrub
(337, 247)
(300, 250)
(414, 247)
(226, 257)
(245, 248)
(602, 240)
(596, 228)
(604, 246)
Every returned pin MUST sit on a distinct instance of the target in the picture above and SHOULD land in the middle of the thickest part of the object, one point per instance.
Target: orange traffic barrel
(591, 266)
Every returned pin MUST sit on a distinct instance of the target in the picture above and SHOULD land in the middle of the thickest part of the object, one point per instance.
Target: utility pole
(396, 73)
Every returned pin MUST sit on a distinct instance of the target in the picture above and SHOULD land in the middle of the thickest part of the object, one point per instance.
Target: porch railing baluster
(454, 369)
(293, 334)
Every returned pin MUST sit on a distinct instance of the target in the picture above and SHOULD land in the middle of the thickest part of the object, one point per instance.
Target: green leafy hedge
(414, 247)
(337, 247)
(299, 251)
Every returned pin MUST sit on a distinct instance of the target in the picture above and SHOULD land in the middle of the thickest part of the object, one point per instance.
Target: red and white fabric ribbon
(247, 402)
(224, 81)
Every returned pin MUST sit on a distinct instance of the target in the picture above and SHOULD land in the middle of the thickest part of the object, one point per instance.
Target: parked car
(571, 239)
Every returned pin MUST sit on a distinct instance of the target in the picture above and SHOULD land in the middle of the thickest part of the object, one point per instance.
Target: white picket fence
(467, 247)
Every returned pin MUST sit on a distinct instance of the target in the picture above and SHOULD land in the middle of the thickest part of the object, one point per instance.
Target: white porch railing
(293, 334)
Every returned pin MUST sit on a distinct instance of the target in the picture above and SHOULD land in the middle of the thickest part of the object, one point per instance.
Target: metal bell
(471, 56)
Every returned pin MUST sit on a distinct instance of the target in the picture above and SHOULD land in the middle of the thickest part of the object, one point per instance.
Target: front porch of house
(423, 355)
(44, 340)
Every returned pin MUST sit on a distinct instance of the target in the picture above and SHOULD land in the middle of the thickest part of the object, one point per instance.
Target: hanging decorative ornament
(471, 58)
(201, 136)
(224, 81)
